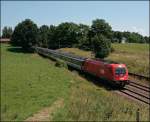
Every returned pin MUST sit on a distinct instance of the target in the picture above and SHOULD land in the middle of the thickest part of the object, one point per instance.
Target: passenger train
(110, 71)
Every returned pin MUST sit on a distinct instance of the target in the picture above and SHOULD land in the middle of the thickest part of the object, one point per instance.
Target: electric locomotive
(111, 71)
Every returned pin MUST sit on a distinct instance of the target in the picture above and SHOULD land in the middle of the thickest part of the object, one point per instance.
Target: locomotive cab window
(120, 71)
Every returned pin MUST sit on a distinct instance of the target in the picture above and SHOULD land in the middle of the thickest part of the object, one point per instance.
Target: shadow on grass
(97, 81)
(19, 50)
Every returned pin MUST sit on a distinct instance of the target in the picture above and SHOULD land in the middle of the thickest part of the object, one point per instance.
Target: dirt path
(46, 114)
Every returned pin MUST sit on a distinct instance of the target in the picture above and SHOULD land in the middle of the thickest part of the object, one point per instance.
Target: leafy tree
(25, 34)
(66, 34)
(135, 38)
(43, 36)
(117, 36)
(126, 34)
(52, 37)
(100, 26)
(7, 32)
(101, 45)
(83, 38)
(146, 38)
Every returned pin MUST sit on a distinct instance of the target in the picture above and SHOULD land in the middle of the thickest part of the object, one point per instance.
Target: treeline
(81, 29)
(97, 37)
(129, 37)
(7, 32)
(68, 34)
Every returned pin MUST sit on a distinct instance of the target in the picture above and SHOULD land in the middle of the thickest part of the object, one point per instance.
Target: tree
(100, 26)
(135, 38)
(43, 36)
(7, 32)
(52, 37)
(66, 34)
(83, 38)
(25, 34)
(146, 38)
(101, 45)
(117, 36)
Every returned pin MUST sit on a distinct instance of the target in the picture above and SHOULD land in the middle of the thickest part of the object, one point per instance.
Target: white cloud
(131, 29)
(139, 30)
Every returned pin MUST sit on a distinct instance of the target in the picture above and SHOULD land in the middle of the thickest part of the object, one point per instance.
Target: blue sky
(122, 16)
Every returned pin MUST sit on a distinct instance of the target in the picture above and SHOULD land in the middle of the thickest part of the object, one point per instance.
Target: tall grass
(88, 102)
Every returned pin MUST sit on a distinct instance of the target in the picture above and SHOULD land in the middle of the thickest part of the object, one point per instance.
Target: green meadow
(30, 83)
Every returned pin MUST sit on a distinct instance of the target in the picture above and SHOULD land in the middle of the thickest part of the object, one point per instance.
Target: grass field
(30, 82)
(135, 56)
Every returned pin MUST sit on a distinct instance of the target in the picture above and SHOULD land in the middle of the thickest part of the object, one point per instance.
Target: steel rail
(137, 93)
(140, 85)
(139, 76)
(147, 90)
(131, 95)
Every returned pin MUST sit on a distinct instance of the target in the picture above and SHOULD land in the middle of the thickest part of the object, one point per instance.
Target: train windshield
(119, 71)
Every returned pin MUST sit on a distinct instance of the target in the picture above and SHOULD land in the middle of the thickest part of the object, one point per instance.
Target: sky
(130, 16)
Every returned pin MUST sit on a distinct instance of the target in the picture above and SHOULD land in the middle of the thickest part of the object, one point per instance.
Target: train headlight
(121, 78)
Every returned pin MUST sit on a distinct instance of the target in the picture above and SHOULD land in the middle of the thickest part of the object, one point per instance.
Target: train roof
(105, 61)
(81, 58)
(71, 55)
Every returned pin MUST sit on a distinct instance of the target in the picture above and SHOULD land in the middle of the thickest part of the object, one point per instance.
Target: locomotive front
(120, 73)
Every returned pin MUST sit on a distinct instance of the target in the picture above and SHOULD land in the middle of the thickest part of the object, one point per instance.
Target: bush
(101, 45)
(112, 49)
(25, 34)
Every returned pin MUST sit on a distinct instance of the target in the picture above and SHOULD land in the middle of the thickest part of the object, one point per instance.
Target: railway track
(137, 91)
(139, 76)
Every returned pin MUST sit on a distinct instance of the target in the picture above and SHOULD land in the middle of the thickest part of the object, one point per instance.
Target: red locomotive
(117, 73)
(111, 71)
